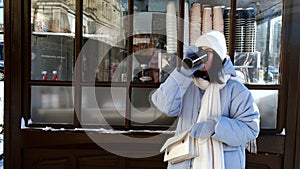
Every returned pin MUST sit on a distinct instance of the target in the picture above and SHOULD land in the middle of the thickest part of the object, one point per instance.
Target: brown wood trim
(291, 67)
(40, 158)
(142, 85)
(78, 28)
(69, 83)
(13, 83)
(7, 84)
(40, 138)
(91, 84)
(283, 71)
(78, 63)
(129, 60)
(262, 87)
(50, 83)
(297, 140)
(271, 144)
(264, 161)
(232, 30)
(180, 33)
(27, 60)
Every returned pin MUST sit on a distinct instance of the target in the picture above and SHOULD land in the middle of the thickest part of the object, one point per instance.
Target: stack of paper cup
(240, 23)
(250, 30)
(205, 5)
(171, 27)
(218, 21)
(186, 36)
(207, 19)
(195, 23)
(227, 25)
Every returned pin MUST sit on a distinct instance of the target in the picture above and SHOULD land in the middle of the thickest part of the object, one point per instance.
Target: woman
(215, 108)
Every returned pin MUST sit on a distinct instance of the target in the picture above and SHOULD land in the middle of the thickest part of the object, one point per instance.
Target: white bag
(180, 147)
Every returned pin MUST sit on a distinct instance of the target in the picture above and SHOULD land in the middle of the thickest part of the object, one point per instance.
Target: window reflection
(52, 57)
(52, 47)
(52, 16)
(104, 52)
(52, 105)
(144, 112)
(99, 110)
(257, 34)
(155, 36)
(267, 102)
(104, 31)
(260, 65)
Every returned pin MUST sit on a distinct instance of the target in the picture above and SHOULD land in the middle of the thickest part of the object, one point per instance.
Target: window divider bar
(78, 70)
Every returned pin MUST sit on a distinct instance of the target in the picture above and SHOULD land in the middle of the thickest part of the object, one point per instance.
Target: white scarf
(211, 155)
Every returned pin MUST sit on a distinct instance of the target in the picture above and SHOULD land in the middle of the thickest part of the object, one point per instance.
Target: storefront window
(52, 43)
(267, 103)
(269, 46)
(257, 43)
(144, 113)
(104, 36)
(103, 106)
(52, 105)
(155, 35)
(257, 54)
(122, 58)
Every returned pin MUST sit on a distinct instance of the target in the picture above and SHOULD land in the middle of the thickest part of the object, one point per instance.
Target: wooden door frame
(290, 50)
(12, 83)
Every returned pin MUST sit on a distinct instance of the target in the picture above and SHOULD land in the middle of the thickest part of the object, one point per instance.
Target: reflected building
(53, 36)
(101, 18)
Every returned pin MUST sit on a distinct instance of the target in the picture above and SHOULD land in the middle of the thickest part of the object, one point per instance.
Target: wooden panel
(103, 162)
(68, 157)
(148, 163)
(52, 164)
(264, 161)
(97, 158)
(257, 166)
(84, 158)
(276, 146)
(44, 159)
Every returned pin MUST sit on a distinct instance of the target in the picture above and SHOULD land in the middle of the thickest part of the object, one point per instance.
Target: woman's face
(213, 65)
(208, 63)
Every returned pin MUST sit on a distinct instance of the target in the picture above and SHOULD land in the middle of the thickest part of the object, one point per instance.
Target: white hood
(214, 40)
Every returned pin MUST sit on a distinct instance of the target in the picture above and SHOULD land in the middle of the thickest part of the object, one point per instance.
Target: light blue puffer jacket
(178, 96)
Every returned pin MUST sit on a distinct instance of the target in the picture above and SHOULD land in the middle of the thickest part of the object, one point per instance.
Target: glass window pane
(154, 39)
(52, 43)
(267, 102)
(103, 106)
(52, 104)
(257, 41)
(104, 31)
(144, 113)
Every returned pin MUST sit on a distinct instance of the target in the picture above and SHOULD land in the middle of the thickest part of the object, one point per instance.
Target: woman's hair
(214, 72)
